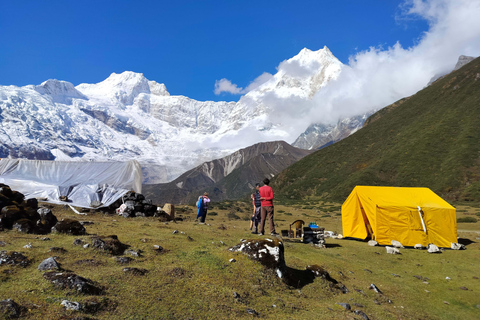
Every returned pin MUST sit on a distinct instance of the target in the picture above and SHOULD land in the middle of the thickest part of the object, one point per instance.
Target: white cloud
(264, 77)
(378, 76)
(225, 85)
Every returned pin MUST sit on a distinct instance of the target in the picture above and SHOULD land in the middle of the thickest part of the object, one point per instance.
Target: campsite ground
(194, 279)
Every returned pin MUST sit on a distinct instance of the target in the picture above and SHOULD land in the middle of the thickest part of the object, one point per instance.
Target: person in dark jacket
(257, 205)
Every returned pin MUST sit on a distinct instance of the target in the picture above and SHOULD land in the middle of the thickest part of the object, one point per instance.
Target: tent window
(415, 222)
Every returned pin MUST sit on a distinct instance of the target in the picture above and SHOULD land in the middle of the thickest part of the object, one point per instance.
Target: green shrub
(289, 214)
(213, 213)
(467, 219)
(280, 211)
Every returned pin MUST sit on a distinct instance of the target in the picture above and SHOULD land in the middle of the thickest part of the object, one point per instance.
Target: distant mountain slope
(229, 177)
(430, 139)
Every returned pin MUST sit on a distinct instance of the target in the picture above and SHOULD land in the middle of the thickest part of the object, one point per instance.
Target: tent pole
(421, 218)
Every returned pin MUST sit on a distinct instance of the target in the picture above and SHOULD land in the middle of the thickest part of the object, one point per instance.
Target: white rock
(397, 244)
(392, 250)
(372, 243)
(457, 246)
(433, 248)
(419, 246)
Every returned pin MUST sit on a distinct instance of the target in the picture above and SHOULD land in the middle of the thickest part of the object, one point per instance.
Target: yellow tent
(409, 215)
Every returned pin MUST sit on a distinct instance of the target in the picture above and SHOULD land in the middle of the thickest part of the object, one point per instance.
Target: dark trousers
(257, 217)
(204, 215)
(267, 214)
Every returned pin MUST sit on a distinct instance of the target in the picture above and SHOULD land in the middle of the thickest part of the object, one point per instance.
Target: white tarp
(81, 182)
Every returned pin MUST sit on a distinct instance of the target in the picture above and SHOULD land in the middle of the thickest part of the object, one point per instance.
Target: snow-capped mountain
(127, 116)
(320, 135)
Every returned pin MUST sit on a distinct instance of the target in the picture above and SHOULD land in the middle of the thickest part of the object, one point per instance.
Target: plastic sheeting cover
(81, 182)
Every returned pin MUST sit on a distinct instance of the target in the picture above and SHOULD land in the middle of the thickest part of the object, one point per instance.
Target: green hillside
(430, 139)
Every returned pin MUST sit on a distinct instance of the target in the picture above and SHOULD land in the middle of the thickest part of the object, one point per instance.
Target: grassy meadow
(193, 278)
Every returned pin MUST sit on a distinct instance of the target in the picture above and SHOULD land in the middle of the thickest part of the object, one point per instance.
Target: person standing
(266, 198)
(202, 205)
(257, 205)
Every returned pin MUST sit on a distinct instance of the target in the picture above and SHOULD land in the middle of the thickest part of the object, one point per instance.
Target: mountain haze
(430, 139)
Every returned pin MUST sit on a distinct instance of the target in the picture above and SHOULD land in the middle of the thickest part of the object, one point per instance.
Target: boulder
(49, 264)
(372, 243)
(9, 309)
(392, 250)
(110, 244)
(47, 220)
(72, 281)
(457, 246)
(24, 226)
(71, 305)
(10, 214)
(397, 244)
(169, 209)
(269, 252)
(13, 258)
(431, 248)
(69, 226)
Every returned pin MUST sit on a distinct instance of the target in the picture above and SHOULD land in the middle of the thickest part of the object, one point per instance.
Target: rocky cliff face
(229, 177)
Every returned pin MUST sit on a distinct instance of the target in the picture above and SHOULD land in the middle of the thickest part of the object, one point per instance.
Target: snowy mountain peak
(59, 91)
(123, 87)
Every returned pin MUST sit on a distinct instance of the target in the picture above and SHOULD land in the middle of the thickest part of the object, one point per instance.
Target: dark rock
(10, 214)
(361, 314)
(110, 244)
(346, 306)
(86, 223)
(69, 226)
(14, 259)
(252, 312)
(464, 288)
(2, 244)
(140, 214)
(47, 220)
(374, 288)
(135, 271)
(158, 249)
(24, 226)
(49, 264)
(45, 239)
(123, 260)
(72, 281)
(78, 242)
(9, 309)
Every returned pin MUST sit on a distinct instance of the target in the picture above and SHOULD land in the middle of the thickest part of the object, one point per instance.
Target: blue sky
(189, 45)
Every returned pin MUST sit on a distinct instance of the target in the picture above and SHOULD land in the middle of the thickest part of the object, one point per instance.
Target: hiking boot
(255, 232)
(261, 233)
(274, 234)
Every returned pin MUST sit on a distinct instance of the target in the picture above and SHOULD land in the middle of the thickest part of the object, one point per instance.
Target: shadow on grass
(465, 241)
(332, 245)
(299, 278)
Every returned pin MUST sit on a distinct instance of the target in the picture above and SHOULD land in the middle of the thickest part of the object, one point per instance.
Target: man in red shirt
(266, 198)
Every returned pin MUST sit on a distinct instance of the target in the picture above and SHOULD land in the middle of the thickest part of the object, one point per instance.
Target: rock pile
(135, 205)
(23, 215)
